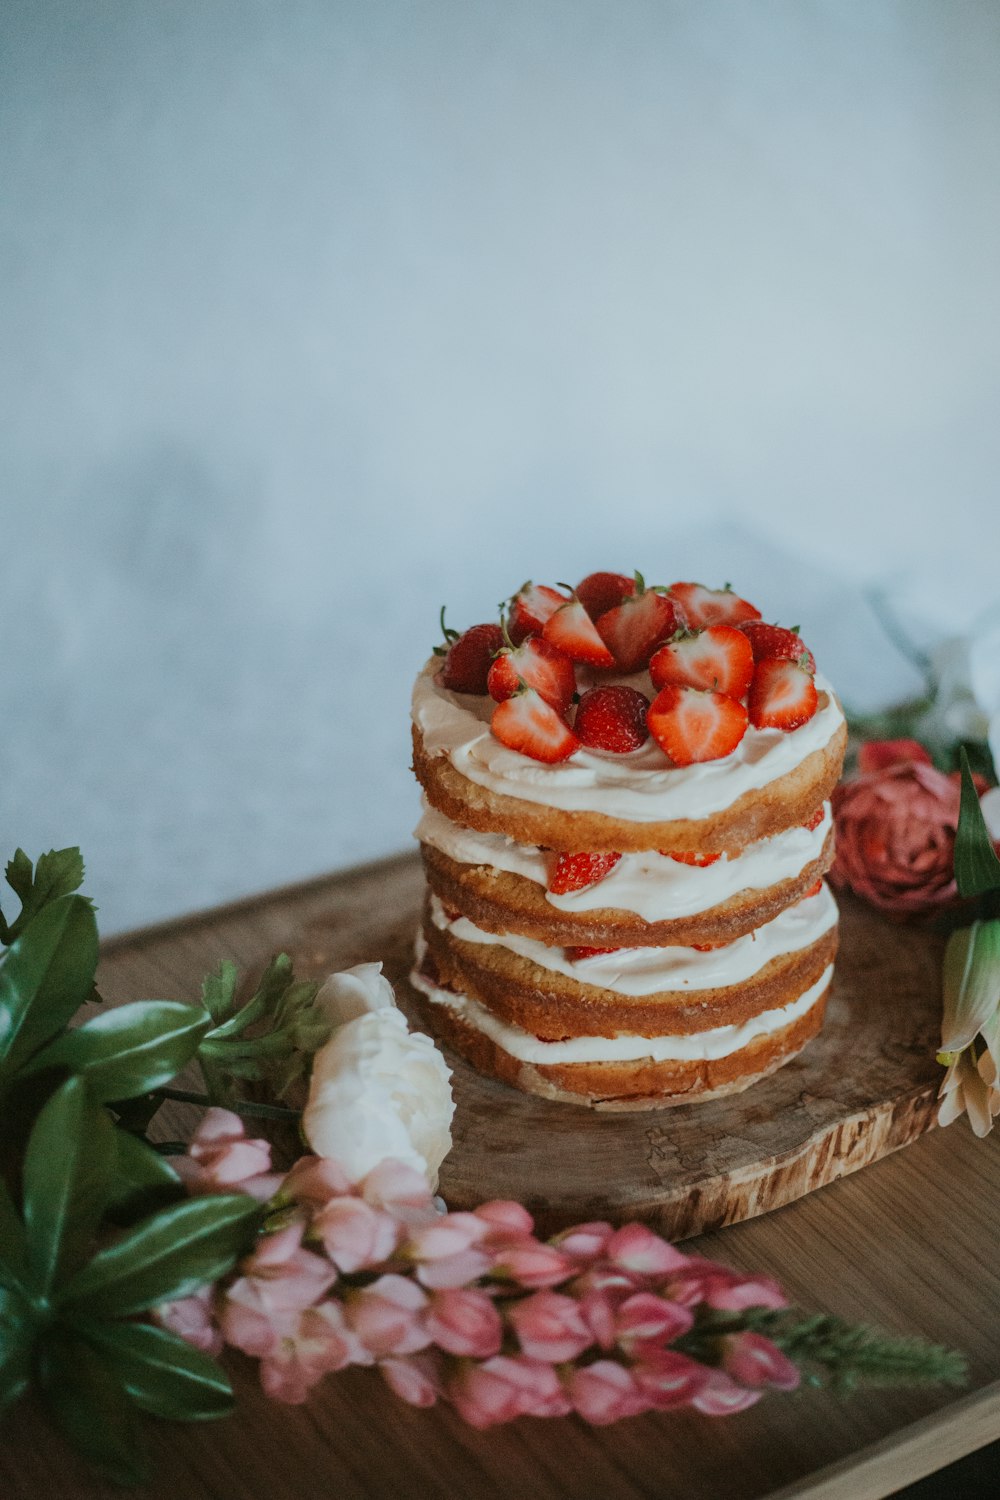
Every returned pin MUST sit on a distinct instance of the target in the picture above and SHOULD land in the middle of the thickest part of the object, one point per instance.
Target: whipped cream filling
(642, 786)
(648, 971)
(720, 1041)
(649, 885)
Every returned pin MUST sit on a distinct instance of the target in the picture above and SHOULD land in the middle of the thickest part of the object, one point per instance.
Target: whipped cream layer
(649, 885)
(648, 971)
(641, 787)
(699, 1046)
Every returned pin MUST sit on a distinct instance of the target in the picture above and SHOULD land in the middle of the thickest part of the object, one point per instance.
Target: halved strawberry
(539, 664)
(700, 861)
(782, 695)
(612, 718)
(582, 952)
(702, 606)
(573, 631)
(691, 725)
(718, 657)
(636, 626)
(467, 656)
(599, 592)
(529, 724)
(813, 823)
(574, 871)
(530, 607)
(774, 640)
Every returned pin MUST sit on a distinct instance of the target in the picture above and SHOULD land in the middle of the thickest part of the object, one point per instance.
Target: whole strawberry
(467, 657)
(599, 592)
(612, 718)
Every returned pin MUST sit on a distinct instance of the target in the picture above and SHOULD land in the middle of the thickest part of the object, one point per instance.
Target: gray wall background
(315, 315)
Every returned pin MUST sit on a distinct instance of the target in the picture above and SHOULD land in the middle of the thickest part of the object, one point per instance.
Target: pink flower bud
(636, 1248)
(550, 1326)
(401, 1191)
(355, 1236)
(720, 1287)
(465, 1322)
(721, 1397)
(646, 1319)
(388, 1316)
(315, 1180)
(315, 1344)
(416, 1378)
(598, 1312)
(448, 1252)
(220, 1158)
(533, 1264)
(502, 1388)
(669, 1379)
(507, 1221)
(584, 1243)
(192, 1319)
(605, 1392)
(752, 1360)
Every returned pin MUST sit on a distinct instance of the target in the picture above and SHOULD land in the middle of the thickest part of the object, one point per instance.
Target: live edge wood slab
(909, 1243)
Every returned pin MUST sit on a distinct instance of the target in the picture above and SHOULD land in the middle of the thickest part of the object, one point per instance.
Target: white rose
(377, 1090)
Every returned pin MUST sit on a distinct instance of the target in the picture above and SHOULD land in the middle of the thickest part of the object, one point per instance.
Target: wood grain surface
(908, 1243)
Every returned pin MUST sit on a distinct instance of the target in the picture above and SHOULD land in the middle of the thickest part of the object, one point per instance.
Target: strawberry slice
(692, 725)
(700, 861)
(530, 607)
(574, 871)
(815, 820)
(529, 724)
(612, 718)
(574, 953)
(467, 657)
(599, 592)
(782, 695)
(636, 626)
(718, 657)
(774, 640)
(702, 606)
(708, 947)
(573, 631)
(540, 665)
(813, 890)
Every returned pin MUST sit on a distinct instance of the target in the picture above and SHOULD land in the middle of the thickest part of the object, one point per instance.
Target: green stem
(246, 1107)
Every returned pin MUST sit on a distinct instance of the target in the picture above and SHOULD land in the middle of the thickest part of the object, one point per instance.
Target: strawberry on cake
(626, 826)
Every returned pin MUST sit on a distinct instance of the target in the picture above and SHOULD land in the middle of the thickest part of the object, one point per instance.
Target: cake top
(618, 666)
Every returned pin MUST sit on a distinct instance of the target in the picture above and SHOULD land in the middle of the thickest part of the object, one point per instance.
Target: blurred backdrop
(314, 316)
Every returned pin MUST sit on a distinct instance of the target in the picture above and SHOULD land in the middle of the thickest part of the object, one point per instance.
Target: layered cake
(625, 830)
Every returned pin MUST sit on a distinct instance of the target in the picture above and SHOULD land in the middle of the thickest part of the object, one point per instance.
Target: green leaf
(218, 991)
(13, 1242)
(977, 868)
(44, 977)
(971, 984)
(163, 1374)
(17, 1337)
(143, 1182)
(67, 1169)
(58, 873)
(166, 1256)
(130, 1049)
(273, 984)
(89, 1405)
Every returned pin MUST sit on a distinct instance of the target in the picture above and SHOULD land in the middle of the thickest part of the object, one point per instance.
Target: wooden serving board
(861, 1089)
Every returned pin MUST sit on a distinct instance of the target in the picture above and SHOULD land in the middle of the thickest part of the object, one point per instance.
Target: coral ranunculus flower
(896, 837)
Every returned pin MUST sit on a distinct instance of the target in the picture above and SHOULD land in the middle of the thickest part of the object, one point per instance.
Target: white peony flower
(377, 1090)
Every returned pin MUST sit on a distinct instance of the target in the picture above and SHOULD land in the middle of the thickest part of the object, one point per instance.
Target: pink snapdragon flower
(193, 1319)
(754, 1361)
(550, 1326)
(505, 1387)
(388, 1316)
(604, 1392)
(313, 1342)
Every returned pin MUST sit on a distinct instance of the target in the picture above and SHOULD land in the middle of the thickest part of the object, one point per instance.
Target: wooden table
(909, 1243)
